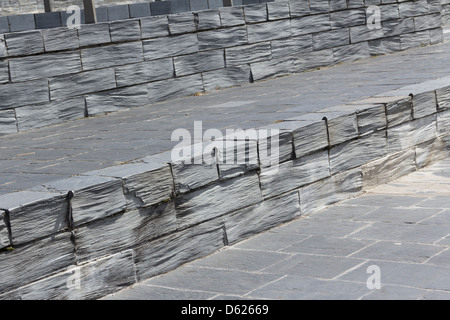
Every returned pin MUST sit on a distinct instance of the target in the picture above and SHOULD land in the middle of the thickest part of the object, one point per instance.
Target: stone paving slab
(60, 151)
(326, 255)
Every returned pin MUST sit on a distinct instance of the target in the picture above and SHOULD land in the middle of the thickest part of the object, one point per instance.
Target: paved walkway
(397, 235)
(39, 156)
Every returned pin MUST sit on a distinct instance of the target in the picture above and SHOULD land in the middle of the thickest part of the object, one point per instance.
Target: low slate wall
(90, 235)
(53, 75)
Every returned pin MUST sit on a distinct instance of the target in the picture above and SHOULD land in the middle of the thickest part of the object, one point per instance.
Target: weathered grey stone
(36, 116)
(214, 200)
(35, 260)
(436, 35)
(209, 19)
(389, 12)
(309, 137)
(181, 23)
(308, 61)
(424, 104)
(396, 27)
(43, 66)
(292, 46)
(116, 99)
(88, 281)
(272, 153)
(339, 187)
(4, 231)
(237, 157)
(330, 39)
(232, 16)
(92, 198)
(371, 118)
(191, 176)
(443, 122)
(355, 3)
(248, 54)
(435, 5)
(4, 71)
(413, 8)
(120, 232)
(341, 127)
(126, 30)
(143, 72)
(21, 22)
(94, 34)
(411, 133)
(355, 153)
(7, 122)
(174, 88)
(170, 46)
(216, 39)
(416, 39)
(293, 174)
(153, 27)
(56, 39)
(228, 77)
(338, 5)
(81, 83)
(269, 31)
(362, 33)
(385, 45)
(348, 18)
(144, 184)
(199, 62)
(167, 253)
(299, 8)
(443, 98)
(426, 22)
(319, 6)
(3, 51)
(429, 152)
(278, 10)
(389, 168)
(34, 215)
(272, 68)
(24, 43)
(113, 55)
(23, 93)
(255, 13)
(268, 214)
(351, 52)
(399, 111)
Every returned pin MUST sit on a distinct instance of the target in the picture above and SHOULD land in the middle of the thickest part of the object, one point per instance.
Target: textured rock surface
(4, 232)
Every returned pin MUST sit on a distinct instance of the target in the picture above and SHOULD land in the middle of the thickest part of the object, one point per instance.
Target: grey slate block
(42, 115)
(181, 23)
(102, 14)
(81, 83)
(191, 176)
(199, 62)
(385, 45)
(278, 10)
(23, 93)
(436, 35)
(362, 33)
(139, 10)
(255, 13)
(113, 55)
(330, 39)
(291, 47)
(424, 104)
(310, 136)
(389, 12)
(94, 34)
(214, 4)
(7, 122)
(43, 66)
(209, 19)
(216, 39)
(3, 50)
(319, 6)
(24, 43)
(338, 5)
(4, 25)
(153, 27)
(272, 68)
(35, 260)
(310, 24)
(143, 72)
(4, 72)
(443, 98)
(159, 256)
(174, 88)
(178, 6)
(426, 22)
(269, 31)
(57, 39)
(170, 46)
(118, 12)
(351, 52)
(228, 77)
(158, 8)
(33, 215)
(293, 174)
(399, 111)
(413, 8)
(4, 230)
(396, 27)
(232, 16)
(236, 158)
(47, 20)
(347, 18)
(358, 152)
(443, 122)
(198, 5)
(248, 54)
(21, 22)
(298, 8)
(95, 280)
(195, 207)
(127, 30)
(116, 99)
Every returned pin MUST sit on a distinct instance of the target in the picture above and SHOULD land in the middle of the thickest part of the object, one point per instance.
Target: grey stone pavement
(401, 229)
(57, 152)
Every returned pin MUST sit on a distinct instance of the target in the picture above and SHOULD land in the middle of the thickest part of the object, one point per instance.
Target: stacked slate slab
(87, 236)
(58, 74)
